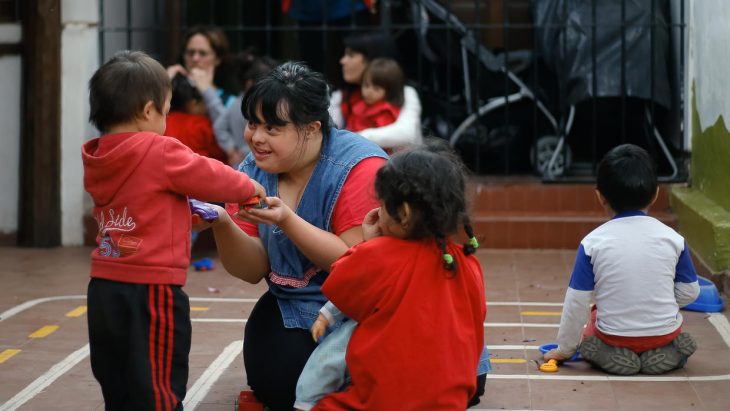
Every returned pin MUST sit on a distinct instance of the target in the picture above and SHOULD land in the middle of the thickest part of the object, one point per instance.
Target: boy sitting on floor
(639, 271)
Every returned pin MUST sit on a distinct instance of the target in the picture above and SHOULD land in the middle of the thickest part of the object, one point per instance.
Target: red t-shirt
(196, 132)
(356, 199)
(421, 327)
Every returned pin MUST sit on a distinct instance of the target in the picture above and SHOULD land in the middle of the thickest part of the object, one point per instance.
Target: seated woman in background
(206, 47)
(360, 50)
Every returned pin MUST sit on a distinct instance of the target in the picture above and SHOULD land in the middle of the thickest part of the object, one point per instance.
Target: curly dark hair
(432, 180)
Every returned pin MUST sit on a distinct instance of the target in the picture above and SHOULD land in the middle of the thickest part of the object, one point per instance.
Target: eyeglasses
(192, 52)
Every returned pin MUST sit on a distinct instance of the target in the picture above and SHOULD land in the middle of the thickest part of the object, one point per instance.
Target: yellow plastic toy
(549, 366)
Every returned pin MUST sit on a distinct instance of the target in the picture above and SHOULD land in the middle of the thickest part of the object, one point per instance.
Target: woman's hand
(319, 327)
(202, 78)
(370, 226)
(173, 70)
(276, 212)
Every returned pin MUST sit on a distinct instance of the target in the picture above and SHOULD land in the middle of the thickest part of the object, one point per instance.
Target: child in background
(640, 273)
(420, 302)
(139, 181)
(382, 96)
(230, 125)
(188, 121)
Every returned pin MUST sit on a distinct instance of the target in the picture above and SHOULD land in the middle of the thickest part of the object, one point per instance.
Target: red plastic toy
(253, 202)
(248, 402)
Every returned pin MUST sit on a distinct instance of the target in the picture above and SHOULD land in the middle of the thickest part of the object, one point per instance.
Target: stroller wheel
(541, 153)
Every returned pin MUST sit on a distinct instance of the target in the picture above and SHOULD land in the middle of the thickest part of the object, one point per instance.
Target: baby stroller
(562, 49)
(484, 93)
(617, 65)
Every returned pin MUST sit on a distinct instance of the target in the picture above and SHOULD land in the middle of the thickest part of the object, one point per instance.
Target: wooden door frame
(39, 214)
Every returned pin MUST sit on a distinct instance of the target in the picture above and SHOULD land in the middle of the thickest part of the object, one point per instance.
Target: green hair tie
(448, 258)
(473, 242)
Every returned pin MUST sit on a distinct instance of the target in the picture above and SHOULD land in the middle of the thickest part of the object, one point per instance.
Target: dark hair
(290, 93)
(182, 92)
(627, 178)
(259, 67)
(386, 73)
(216, 37)
(432, 180)
(119, 90)
(372, 44)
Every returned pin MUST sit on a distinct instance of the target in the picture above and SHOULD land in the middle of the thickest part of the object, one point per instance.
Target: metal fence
(540, 87)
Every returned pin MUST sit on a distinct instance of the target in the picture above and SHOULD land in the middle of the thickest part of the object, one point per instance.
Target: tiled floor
(524, 292)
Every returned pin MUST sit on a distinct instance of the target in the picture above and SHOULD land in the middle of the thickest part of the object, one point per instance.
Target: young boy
(140, 180)
(640, 273)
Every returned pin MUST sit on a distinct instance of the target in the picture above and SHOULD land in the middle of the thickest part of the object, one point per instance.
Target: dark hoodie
(140, 183)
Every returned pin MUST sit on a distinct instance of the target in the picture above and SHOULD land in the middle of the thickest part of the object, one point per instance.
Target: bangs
(271, 103)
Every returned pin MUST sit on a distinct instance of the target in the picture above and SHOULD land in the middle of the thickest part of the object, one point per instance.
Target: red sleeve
(357, 196)
(358, 269)
(248, 228)
(201, 177)
(386, 116)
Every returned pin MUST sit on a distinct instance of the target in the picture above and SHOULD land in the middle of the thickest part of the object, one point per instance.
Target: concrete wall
(10, 84)
(79, 59)
(704, 207)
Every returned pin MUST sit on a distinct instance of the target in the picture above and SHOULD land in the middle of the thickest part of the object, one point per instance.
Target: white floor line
(31, 303)
(522, 303)
(607, 378)
(488, 325)
(198, 391)
(46, 379)
(28, 304)
(513, 347)
(526, 325)
(721, 325)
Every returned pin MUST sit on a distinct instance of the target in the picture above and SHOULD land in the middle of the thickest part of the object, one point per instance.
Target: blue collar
(629, 214)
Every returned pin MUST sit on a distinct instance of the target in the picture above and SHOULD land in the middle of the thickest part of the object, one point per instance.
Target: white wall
(709, 60)
(79, 60)
(10, 109)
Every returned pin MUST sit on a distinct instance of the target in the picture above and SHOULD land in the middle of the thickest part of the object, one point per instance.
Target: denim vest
(293, 279)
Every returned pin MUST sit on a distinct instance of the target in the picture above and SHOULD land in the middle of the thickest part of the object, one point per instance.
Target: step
(530, 194)
(542, 230)
(525, 213)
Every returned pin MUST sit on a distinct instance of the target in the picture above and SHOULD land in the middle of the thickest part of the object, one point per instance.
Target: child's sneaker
(614, 360)
(670, 357)
(247, 401)
(685, 344)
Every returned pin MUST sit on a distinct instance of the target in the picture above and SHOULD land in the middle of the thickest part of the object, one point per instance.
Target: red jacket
(140, 183)
(421, 327)
(365, 115)
(194, 131)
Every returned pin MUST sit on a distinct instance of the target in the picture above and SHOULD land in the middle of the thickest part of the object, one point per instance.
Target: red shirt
(421, 327)
(356, 199)
(196, 132)
(140, 183)
(365, 115)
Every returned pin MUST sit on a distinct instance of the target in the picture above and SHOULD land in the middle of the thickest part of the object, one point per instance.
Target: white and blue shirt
(640, 273)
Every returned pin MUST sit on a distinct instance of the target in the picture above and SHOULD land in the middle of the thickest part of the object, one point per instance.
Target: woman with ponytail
(414, 299)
